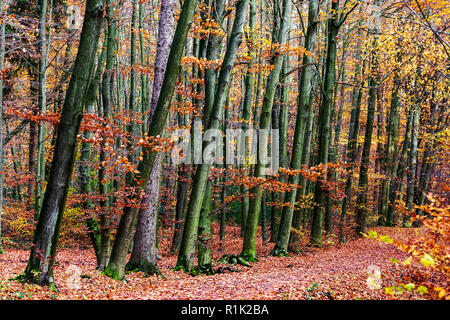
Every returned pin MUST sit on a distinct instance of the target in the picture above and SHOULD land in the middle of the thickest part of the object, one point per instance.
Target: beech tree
(40, 265)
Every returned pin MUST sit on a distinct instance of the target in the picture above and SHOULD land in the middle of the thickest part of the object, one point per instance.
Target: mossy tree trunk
(324, 128)
(144, 254)
(40, 265)
(116, 265)
(187, 249)
(248, 248)
(300, 135)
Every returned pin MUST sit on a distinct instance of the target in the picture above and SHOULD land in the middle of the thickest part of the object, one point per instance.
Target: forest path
(335, 271)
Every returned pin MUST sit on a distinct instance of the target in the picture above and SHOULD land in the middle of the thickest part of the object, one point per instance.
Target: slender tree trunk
(362, 205)
(412, 161)
(283, 156)
(144, 254)
(300, 214)
(352, 144)
(142, 61)
(105, 184)
(391, 147)
(133, 106)
(324, 128)
(182, 194)
(248, 248)
(86, 152)
(300, 138)
(127, 222)
(40, 265)
(187, 248)
(42, 103)
(246, 113)
(397, 181)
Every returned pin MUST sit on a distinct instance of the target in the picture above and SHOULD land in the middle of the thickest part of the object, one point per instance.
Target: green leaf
(371, 234)
(427, 260)
(410, 286)
(395, 261)
(386, 239)
(422, 289)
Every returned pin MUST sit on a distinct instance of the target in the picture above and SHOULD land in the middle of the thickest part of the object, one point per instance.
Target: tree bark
(144, 254)
(116, 266)
(248, 247)
(40, 265)
(187, 248)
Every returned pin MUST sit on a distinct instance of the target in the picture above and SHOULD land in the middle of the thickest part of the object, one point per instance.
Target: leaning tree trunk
(144, 254)
(116, 265)
(85, 169)
(42, 257)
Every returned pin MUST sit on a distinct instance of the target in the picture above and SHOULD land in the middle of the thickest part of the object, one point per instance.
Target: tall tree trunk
(181, 197)
(42, 102)
(116, 266)
(133, 106)
(187, 248)
(412, 161)
(40, 265)
(204, 231)
(248, 248)
(300, 138)
(324, 128)
(246, 113)
(283, 155)
(105, 183)
(142, 61)
(391, 147)
(362, 205)
(144, 254)
(352, 144)
(86, 151)
(397, 180)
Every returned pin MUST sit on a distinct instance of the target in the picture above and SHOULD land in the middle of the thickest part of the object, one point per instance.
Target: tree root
(146, 267)
(225, 270)
(279, 252)
(34, 277)
(234, 260)
(206, 269)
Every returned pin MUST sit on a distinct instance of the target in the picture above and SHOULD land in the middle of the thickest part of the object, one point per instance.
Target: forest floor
(332, 272)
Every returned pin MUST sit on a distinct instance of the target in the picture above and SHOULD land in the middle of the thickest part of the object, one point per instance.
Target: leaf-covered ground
(332, 272)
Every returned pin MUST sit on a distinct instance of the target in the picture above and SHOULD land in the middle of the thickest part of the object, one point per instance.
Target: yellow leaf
(407, 262)
(427, 260)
